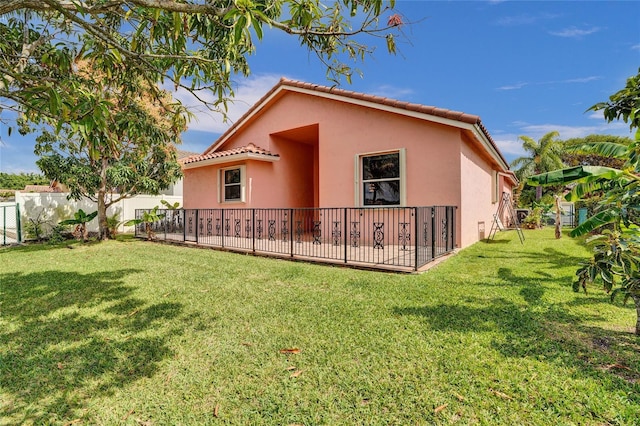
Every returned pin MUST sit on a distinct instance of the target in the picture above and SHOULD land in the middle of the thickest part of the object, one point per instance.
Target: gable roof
(468, 122)
(244, 152)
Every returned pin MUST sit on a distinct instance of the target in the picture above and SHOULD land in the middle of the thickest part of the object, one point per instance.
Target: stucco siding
(199, 191)
(476, 206)
(320, 143)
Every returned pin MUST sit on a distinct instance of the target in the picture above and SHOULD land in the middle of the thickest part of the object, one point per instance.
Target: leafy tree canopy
(194, 44)
(542, 156)
(578, 152)
(131, 150)
(19, 181)
(84, 69)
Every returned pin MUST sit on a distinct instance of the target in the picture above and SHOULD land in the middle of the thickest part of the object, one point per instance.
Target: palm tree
(544, 156)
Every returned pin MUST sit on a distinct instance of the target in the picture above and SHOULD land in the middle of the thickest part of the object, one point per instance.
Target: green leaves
(148, 218)
(79, 218)
(574, 174)
(623, 105)
(617, 247)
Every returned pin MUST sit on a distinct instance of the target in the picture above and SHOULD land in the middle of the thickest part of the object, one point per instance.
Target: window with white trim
(381, 179)
(232, 184)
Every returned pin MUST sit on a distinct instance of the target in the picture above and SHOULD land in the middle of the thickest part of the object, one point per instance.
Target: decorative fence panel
(397, 237)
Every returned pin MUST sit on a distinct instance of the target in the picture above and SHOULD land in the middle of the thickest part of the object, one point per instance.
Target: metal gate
(10, 224)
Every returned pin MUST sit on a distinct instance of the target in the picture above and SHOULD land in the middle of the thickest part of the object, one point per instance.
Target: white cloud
(518, 20)
(389, 91)
(517, 86)
(580, 80)
(573, 32)
(509, 145)
(635, 47)
(536, 131)
(247, 93)
(513, 86)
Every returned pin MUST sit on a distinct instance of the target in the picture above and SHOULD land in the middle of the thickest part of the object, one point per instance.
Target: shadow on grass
(489, 241)
(540, 329)
(34, 246)
(69, 336)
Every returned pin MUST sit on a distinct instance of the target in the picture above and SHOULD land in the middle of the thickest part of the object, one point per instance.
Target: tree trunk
(636, 300)
(103, 228)
(538, 193)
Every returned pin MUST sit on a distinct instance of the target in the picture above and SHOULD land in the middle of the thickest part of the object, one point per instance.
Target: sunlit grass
(127, 332)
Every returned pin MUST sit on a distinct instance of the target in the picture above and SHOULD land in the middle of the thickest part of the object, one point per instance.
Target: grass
(129, 332)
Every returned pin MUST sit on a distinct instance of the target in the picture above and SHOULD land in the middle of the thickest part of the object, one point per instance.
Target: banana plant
(616, 222)
(80, 220)
(168, 205)
(148, 218)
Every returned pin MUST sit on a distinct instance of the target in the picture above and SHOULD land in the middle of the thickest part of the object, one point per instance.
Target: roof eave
(231, 158)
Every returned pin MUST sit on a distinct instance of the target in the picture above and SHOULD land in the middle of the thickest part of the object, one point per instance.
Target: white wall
(174, 189)
(54, 207)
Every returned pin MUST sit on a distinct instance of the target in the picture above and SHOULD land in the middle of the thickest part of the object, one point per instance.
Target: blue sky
(525, 67)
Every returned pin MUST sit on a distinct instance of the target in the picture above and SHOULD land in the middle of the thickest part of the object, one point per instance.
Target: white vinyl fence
(51, 208)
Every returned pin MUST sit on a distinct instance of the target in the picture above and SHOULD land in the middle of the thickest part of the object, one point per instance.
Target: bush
(533, 219)
(59, 233)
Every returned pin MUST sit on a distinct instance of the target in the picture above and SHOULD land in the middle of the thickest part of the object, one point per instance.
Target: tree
(573, 153)
(19, 181)
(132, 151)
(616, 259)
(192, 44)
(195, 45)
(544, 156)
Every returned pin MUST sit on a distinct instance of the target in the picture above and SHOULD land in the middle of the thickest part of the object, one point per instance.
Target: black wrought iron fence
(396, 237)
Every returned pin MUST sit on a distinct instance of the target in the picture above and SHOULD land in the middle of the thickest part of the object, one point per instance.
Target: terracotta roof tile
(249, 149)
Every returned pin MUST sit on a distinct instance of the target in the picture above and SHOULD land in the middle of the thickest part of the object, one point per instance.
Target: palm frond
(606, 149)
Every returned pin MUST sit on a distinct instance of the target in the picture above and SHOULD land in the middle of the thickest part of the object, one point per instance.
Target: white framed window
(380, 179)
(231, 184)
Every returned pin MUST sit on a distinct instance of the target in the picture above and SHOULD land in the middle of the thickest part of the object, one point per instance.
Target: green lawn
(138, 333)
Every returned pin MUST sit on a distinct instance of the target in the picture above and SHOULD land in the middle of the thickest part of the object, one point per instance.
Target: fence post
(197, 225)
(415, 233)
(253, 230)
(346, 228)
(291, 231)
(433, 233)
(223, 230)
(164, 221)
(453, 227)
(18, 223)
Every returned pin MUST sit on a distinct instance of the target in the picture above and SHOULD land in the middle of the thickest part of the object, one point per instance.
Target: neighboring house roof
(469, 122)
(181, 154)
(54, 187)
(249, 151)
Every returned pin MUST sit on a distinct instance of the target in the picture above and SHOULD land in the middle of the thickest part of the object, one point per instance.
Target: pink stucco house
(305, 145)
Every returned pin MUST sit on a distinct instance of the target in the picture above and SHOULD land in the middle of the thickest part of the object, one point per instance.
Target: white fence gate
(9, 223)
